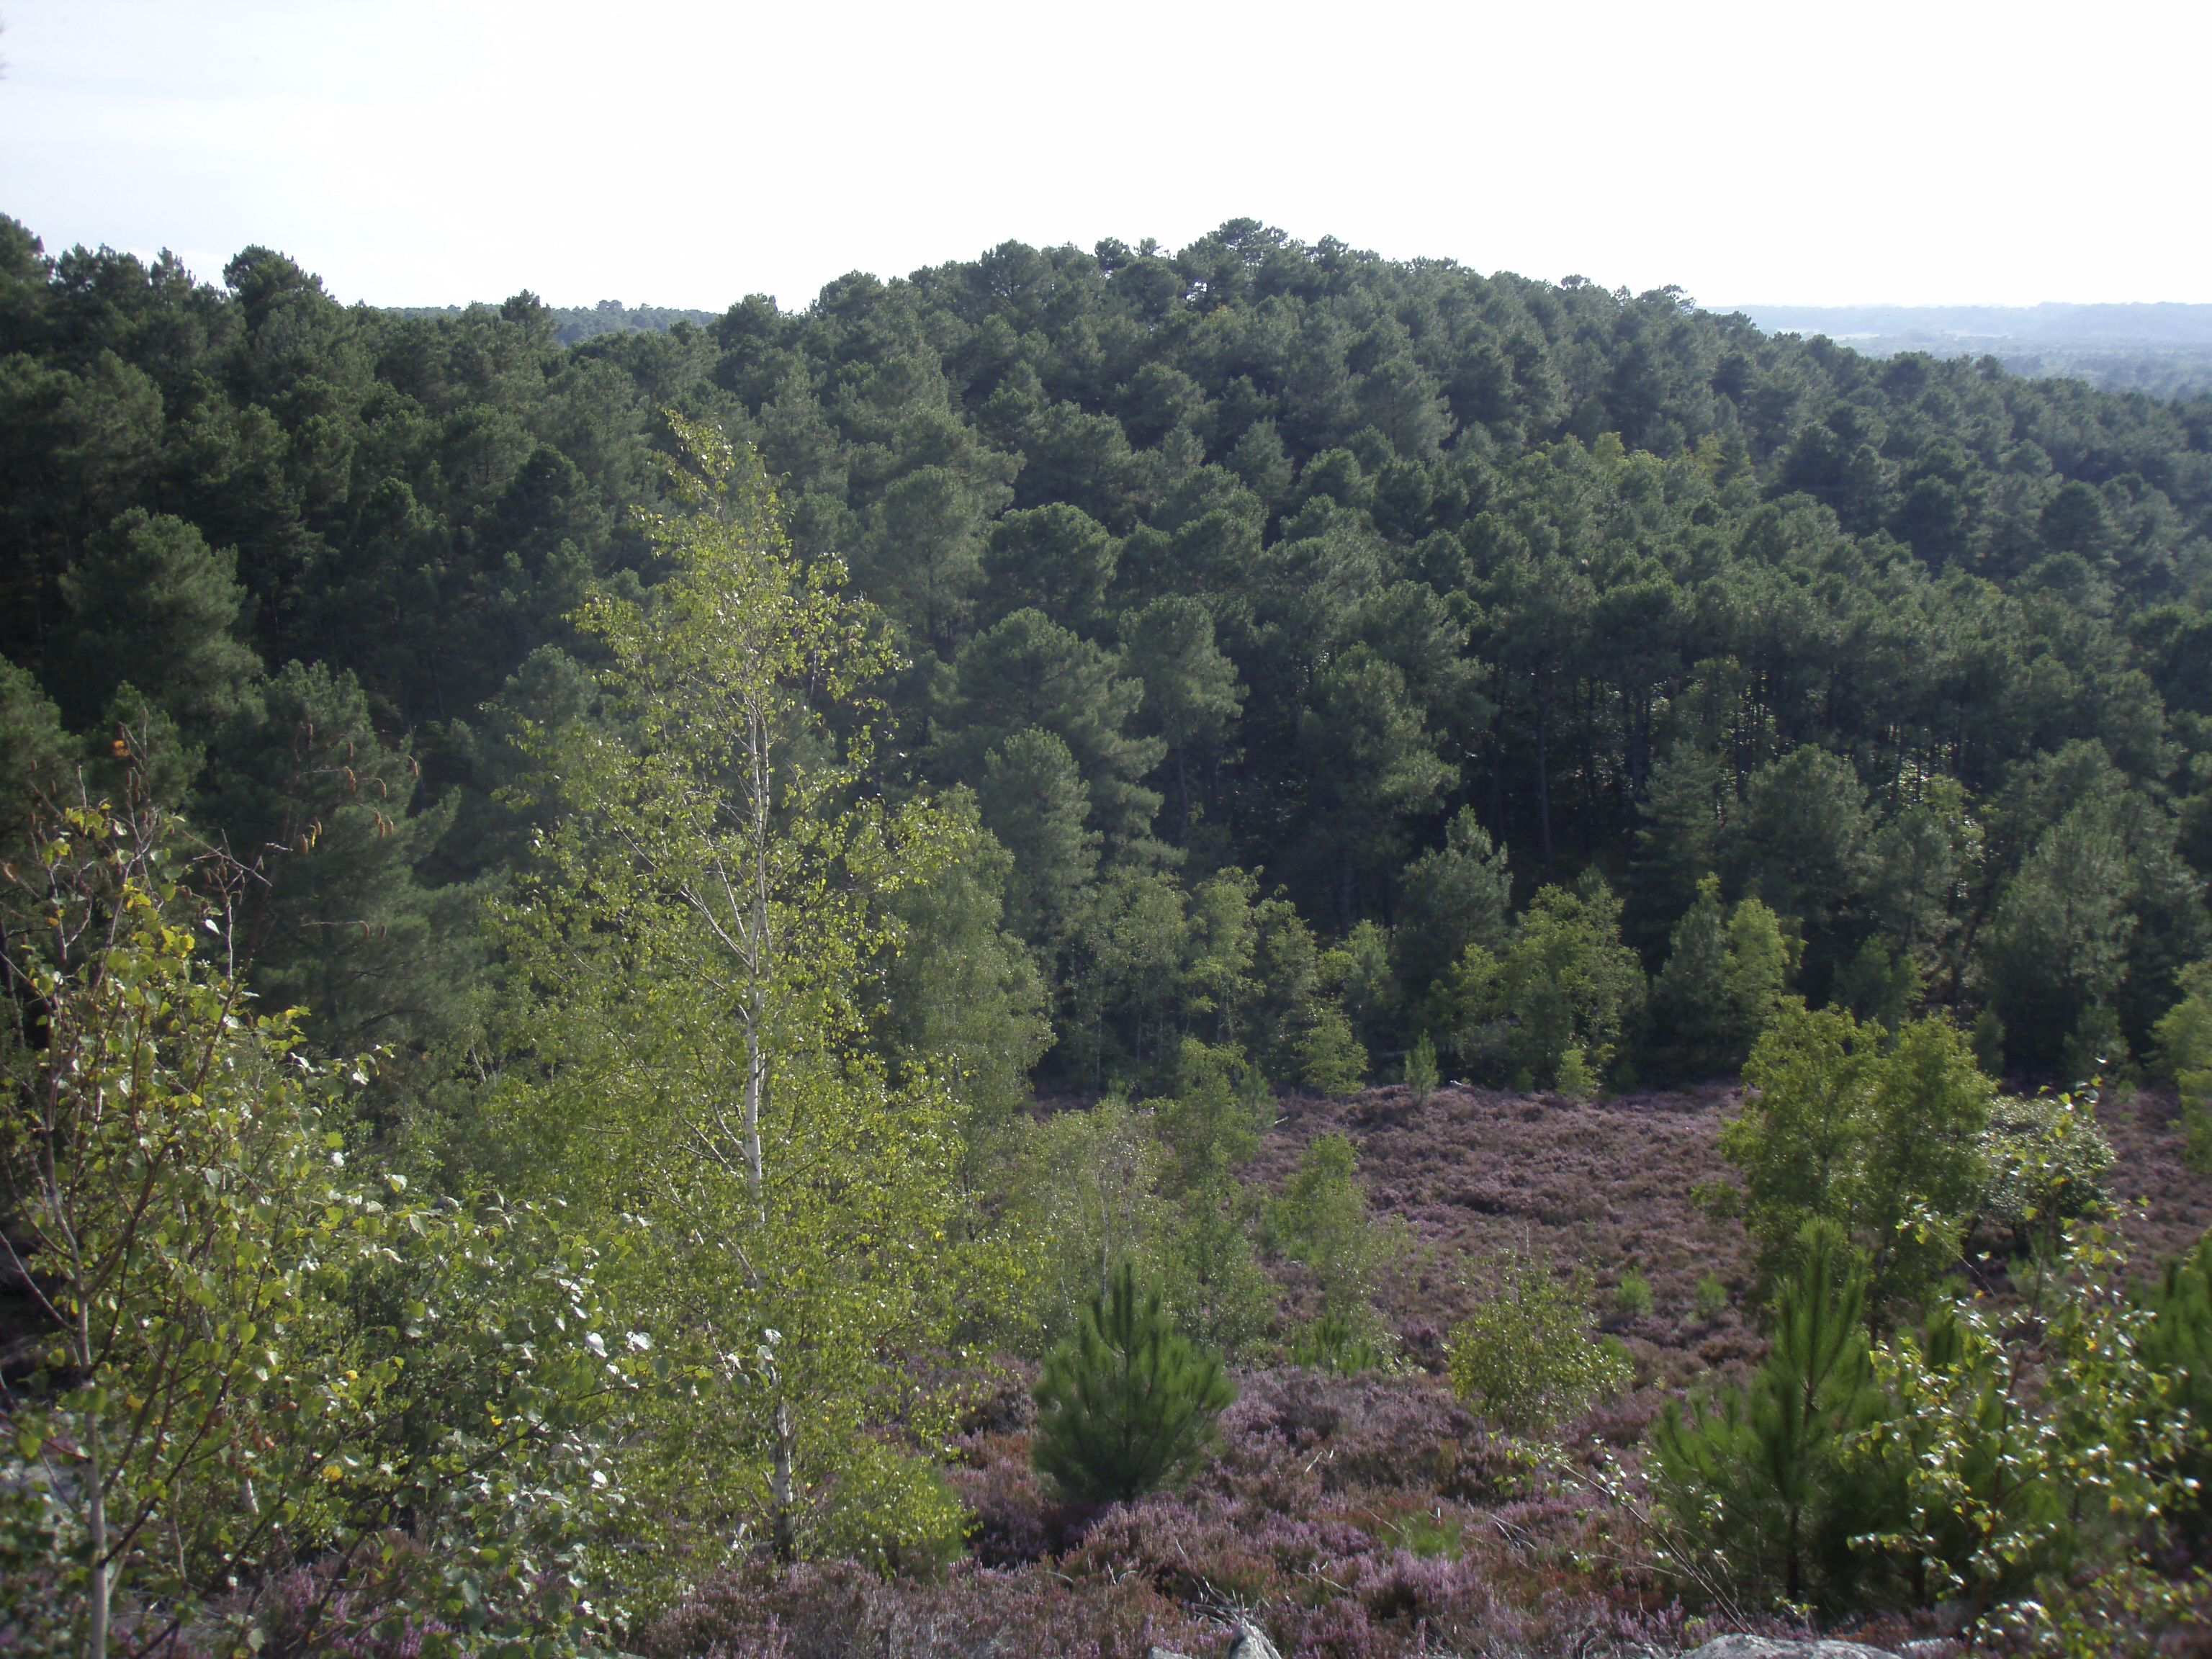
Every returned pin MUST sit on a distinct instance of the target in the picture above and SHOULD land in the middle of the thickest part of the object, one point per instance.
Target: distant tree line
(1323, 651)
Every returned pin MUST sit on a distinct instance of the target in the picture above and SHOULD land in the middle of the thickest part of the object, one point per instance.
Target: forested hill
(574, 323)
(1261, 590)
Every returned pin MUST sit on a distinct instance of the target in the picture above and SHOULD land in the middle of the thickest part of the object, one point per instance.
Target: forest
(859, 979)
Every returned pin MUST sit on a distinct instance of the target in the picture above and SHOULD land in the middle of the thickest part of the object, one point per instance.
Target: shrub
(1421, 1075)
(1878, 1136)
(2184, 1056)
(1219, 1292)
(1008, 1522)
(1322, 1219)
(833, 1610)
(890, 1511)
(1723, 976)
(2020, 1453)
(1333, 1343)
(2176, 1343)
(1331, 1057)
(1631, 1297)
(1712, 1297)
(1573, 1076)
(1128, 1403)
(2047, 1164)
(1566, 982)
(1529, 1358)
(1085, 1193)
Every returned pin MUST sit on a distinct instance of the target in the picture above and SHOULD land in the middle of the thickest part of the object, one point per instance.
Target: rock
(1252, 1642)
(1768, 1647)
(1166, 1653)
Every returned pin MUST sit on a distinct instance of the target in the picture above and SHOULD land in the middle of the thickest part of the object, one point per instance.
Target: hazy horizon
(413, 152)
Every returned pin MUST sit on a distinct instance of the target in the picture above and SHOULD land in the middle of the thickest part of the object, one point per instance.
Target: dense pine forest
(826, 861)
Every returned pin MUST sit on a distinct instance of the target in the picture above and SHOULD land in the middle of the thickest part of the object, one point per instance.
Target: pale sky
(673, 152)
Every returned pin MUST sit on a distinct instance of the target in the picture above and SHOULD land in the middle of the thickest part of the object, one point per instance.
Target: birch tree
(692, 1000)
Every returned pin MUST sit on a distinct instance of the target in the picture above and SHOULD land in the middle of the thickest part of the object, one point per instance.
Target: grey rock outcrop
(1252, 1642)
(1769, 1647)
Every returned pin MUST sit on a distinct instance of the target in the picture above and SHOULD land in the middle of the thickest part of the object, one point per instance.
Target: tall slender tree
(691, 950)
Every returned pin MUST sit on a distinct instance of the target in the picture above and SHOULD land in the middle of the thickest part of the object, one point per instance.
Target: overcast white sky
(679, 153)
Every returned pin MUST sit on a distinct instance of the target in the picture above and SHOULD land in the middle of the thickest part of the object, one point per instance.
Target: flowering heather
(833, 1611)
(1374, 1516)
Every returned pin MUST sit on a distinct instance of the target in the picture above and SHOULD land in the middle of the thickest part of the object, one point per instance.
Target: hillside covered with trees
(840, 833)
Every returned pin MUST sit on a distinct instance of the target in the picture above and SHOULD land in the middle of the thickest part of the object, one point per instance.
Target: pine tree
(1725, 971)
(1758, 1477)
(1126, 1404)
(151, 601)
(2176, 1343)
(1335, 1344)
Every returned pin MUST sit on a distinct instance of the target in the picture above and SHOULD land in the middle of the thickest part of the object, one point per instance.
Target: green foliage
(1129, 957)
(1631, 1297)
(1220, 1293)
(1088, 1191)
(1212, 1123)
(1083, 1199)
(2046, 1166)
(1804, 841)
(2184, 1056)
(2095, 1049)
(1712, 1296)
(2009, 1462)
(1725, 973)
(2175, 1345)
(1421, 1074)
(1027, 674)
(1368, 986)
(1973, 1460)
(1879, 1137)
(1057, 559)
(1370, 759)
(1126, 1403)
(342, 923)
(2098, 920)
(1322, 1219)
(1331, 1058)
(1564, 985)
(1191, 693)
(1753, 1484)
(1529, 1358)
(1034, 802)
(1333, 1343)
(1622, 584)
(963, 997)
(246, 1350)
(1987, 1040)
(1450, 897)
(1879, 985)
(151, 603)
(1573, 1076)
(33, 750)
(1909, 652)
(1928, 857)
(689, 1016)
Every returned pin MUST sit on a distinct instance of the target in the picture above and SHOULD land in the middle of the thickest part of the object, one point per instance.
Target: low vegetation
(726, 992)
